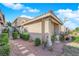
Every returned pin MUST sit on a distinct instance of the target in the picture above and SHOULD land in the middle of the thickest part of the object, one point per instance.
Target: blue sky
(68, 11)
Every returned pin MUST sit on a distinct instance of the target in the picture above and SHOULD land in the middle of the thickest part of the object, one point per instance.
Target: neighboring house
(43, 26)
(2, 21)
(17, 23)
(64, 29)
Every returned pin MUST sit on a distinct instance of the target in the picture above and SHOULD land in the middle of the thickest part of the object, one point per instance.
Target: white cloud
(70, 25)
(30, 17)
(18, 6)
(15, 6)
(29, 9)
(70, 15)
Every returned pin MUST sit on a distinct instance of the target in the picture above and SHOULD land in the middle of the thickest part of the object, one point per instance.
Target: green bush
(15, 35)
(4, 47)
(62, 37)
(37, 41)
(5, 31)
(53, 38)
(25, 36)
(4, 50)
(4, 39)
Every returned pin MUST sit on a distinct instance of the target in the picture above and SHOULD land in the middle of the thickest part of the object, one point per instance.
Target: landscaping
(4, 44)
(25, 36)
(37, 42)
(5, 30)
(15, 35)
(75, 39)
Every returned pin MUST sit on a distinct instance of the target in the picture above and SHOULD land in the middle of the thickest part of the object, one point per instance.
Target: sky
(64, 11)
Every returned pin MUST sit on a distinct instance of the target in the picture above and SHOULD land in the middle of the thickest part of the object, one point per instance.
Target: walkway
(25, 48)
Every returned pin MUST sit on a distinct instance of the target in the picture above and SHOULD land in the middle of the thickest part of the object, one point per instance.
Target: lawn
(75, 39)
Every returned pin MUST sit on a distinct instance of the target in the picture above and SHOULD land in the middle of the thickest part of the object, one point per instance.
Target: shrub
(4, 50)
(62, 37)
(53, 38)
(5, 31)
(4, 47)
(25, 36)
(4, 39)
(15, 35)
(37, 41)
(73, 38)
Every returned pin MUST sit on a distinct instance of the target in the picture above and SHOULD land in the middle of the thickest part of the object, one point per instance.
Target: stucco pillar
(59, 28)
(49, 42)
(43, 31)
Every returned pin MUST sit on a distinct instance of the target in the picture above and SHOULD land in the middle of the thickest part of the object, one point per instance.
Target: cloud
(70, 25)
(29, 9)
(30, 17)
(15, 6)
(70, 15)
(18, 6)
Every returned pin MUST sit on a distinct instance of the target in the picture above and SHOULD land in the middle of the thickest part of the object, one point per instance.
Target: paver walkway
(20, 47)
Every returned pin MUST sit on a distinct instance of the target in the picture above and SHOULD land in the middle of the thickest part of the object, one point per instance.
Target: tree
(9, 24)
(77, 29)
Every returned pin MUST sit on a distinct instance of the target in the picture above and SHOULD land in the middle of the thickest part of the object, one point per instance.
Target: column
(49, 42)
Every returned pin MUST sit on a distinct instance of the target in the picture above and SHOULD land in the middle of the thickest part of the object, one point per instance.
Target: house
(2, 21)
(43, 27)
(17, 23)
(64, 29)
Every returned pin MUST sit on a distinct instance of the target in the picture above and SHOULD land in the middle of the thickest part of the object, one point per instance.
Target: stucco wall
(35, 29)
(48, 28)
(63, 29)
(19, 21)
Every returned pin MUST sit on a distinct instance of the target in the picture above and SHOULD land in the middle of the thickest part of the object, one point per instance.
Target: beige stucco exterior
(64, 29)
(42, 27)
(19, 21)
(34, 27)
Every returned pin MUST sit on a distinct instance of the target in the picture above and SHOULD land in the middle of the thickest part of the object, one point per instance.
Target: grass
(76, 39)
(4, 44)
